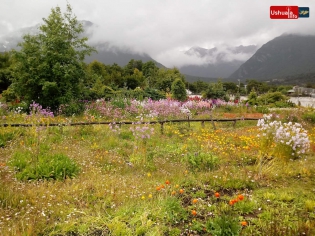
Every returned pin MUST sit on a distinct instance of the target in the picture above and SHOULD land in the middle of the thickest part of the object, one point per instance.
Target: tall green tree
(49, 68)
(165, 78)
(216, 91)
(150, 71)
(5, 71)
(179, 90)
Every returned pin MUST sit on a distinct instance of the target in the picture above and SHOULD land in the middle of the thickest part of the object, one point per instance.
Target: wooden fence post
(234, 123)
(203, 124)
(162, 127)
(212, 122)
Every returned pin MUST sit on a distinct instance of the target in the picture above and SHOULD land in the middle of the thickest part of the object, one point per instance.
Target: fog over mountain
(166, 29)
(288, 54)
(108, 53)
(218, 62)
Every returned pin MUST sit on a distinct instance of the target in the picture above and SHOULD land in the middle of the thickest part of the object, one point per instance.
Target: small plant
(174, 211)
(202, 161)
(47, 166)
(224, 225)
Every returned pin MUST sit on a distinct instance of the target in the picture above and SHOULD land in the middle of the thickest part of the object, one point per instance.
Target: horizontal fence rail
(161, 122)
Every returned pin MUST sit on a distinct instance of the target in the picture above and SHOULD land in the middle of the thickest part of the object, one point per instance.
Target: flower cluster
(289, 134)
(114, 127)
(142, 131)
(161, 109)
(240, 197)
(36, 109)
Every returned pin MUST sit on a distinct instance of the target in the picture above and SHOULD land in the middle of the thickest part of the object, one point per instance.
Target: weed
(46, 166)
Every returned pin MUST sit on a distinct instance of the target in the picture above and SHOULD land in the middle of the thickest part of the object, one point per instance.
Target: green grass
(127, 186)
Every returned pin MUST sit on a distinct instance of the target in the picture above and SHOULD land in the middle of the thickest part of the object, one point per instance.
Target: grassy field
(134, 180)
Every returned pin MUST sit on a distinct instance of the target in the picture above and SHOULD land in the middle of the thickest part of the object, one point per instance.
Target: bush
(74, 107)
(45, 166)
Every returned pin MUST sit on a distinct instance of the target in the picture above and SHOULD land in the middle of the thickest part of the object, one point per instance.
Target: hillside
(286, 55)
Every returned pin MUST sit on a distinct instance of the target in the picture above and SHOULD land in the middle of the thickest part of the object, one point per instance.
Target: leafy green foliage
(216, 91)
(273, 99)
(202, 161)
(224, 225)
(49, 67)
(179, 90)
(5, 72)
(309, 116)
(6, 135)
(46, 166)
(174, 211)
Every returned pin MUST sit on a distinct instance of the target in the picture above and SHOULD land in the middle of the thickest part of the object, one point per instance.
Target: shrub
(74, 107)
(45, 166)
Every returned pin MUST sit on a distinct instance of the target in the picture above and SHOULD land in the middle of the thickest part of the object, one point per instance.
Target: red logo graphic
(284, 12)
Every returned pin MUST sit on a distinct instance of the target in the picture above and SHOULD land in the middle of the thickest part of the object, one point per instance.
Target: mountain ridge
(285, 55)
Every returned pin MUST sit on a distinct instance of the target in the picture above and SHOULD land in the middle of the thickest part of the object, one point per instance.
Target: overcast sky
(164, 28)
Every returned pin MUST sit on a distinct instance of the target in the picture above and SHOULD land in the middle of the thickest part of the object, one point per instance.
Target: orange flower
(233, 201)
(195, 200)
(217, 195)
(158, 188)
(181, 191)
(193, 212)
(240, 197)
(173, 192)
(167, 182)
(244, 223)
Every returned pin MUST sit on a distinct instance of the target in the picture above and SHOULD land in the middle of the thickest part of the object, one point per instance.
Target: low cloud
(163, 28)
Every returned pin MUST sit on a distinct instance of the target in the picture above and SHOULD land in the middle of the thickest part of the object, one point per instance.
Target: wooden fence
(162, 122)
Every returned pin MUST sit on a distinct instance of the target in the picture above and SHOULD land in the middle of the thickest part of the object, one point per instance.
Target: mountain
(107, 53)
(110, 54)
(217, 62)
(280, 58)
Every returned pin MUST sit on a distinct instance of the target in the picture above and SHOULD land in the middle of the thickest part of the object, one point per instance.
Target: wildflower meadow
(142, 174)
